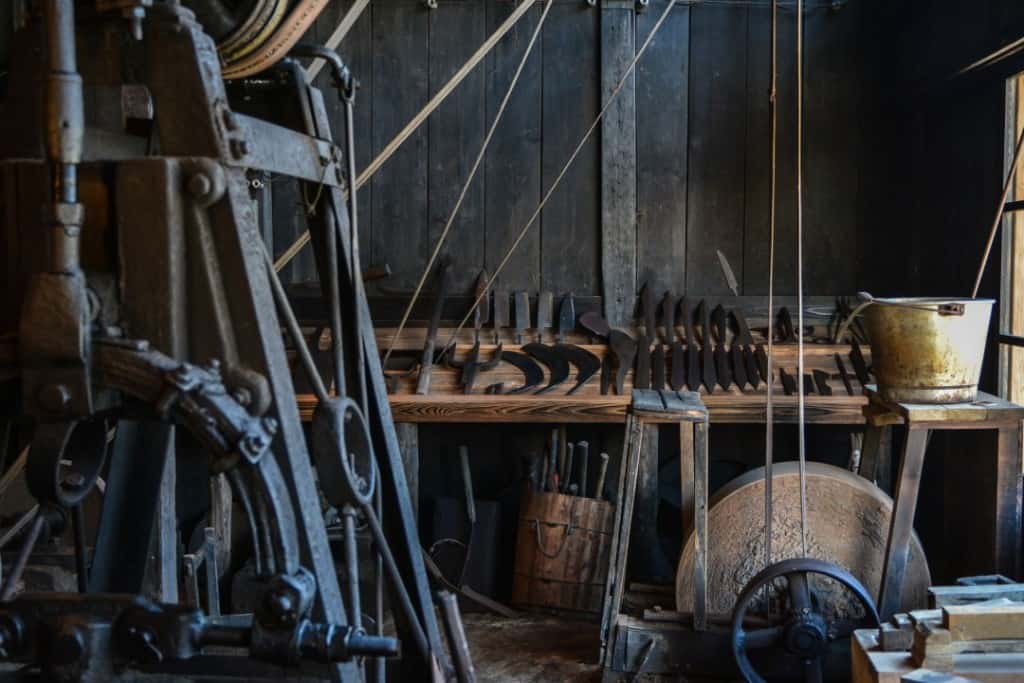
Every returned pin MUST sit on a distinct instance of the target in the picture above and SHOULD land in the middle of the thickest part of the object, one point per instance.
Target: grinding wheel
(848, 522)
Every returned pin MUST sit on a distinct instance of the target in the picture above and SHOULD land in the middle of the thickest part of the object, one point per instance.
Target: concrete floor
(533, 649)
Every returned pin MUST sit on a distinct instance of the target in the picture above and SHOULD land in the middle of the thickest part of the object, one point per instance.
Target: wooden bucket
(562, 551)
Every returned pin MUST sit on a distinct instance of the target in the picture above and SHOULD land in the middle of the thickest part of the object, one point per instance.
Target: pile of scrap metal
(140, 312)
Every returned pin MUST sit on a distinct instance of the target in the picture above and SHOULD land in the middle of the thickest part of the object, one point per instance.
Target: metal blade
(606, 373)
(533, 374)
(785, 325)
(718, 323)
(522, 315)
(647, 310)
(808, 384)
(470, 365)
(642, 373)
(844, 374)
(753, 372)
(427, 361)
(678, 380)
(730, 277)
(762, 363)
(658, 367)
(501, 313)
(743, 336)
(788, 383)
(566, 316)
(545, 313)
(624, 348)
(692, 355)
(587, 364)
(558, 365)
(821, 382)
(722, 366)
(593, 322)
(482, 312)
(739, 368)
(708, 375)
(668, 316)
(860, 366)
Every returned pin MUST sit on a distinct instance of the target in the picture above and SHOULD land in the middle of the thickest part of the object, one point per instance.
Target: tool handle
(467, 484)
(567, 470)
(601, 473)
(584, 448)
(426, 366)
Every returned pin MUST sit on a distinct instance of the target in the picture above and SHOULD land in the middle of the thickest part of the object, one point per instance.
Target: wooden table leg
(1007, 501)
(901, 526)
(700, 523)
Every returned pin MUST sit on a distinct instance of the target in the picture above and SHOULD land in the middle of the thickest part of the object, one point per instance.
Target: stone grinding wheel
(848, 522)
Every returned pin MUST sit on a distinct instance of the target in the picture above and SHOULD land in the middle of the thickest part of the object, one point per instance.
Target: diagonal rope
(769, 427)
(561, 174)
(469, 181)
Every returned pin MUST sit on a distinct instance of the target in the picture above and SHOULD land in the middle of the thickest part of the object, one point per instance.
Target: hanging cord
(802, 451)
(769, 427)
(561, 174)
(469, 181)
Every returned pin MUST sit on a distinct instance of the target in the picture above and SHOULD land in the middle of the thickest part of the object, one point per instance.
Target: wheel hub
(807, 635)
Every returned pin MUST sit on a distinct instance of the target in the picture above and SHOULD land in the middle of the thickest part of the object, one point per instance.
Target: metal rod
(769, 425)
(999, 214)
(801, 407)
(379, 663)
(18, 526)
(456, 637)
(334, 302)
(22, 559)
(355, 617)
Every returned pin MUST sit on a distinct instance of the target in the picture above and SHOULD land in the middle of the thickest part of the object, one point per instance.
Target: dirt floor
(533, 649)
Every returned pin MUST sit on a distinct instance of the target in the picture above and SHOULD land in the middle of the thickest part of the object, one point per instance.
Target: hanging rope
(469, 181)
(769, 427)
(801, 442)
(561, 174)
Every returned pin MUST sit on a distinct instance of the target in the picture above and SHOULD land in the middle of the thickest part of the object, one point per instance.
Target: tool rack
(999, 546)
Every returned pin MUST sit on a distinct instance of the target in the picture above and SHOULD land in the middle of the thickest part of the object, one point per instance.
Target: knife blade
(522, 315)
(624, 348)
(708, 375)
(722, 367)
(501, 313)
(844, 375)
(692, 354)
(743, 336)
(821, 382)
(566, 316)
(427, 360)
(545, 312)
(658, 367)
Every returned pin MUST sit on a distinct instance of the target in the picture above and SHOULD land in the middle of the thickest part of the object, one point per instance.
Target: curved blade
(596, 324)
(624, 348)
(533, 375)
(586, 363)
(557, 365)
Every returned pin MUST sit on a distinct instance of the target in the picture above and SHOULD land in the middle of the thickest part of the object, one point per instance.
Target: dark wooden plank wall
(701, 121)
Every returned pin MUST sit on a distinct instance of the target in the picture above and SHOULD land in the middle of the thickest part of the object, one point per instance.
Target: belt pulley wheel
(847, 525)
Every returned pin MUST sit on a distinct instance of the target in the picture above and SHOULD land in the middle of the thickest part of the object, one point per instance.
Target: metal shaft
(23, 554)
(456, 637)
(348, 516)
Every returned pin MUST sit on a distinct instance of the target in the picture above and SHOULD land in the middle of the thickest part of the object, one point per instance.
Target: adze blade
(533, 374)
(558, 366)
(587, 364)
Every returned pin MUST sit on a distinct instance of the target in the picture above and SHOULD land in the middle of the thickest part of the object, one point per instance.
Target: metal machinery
(138, 309)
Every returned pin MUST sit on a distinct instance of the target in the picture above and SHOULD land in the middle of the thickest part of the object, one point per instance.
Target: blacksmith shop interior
(529, 341)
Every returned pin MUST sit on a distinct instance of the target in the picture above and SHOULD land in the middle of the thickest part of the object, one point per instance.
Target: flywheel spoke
(762, 637)
(799, 591)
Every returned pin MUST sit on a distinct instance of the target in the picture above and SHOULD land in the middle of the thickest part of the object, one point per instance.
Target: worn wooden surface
(986, 412)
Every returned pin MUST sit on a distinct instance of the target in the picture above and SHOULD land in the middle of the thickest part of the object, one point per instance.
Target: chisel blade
(844, 375)
(522, 315)
(566, 316)
(500, 312)
(545, 313)
(658, 367)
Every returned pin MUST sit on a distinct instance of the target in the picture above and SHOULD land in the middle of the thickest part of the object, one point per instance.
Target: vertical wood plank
(512, 172)
(646, 561)
(455, 132)
(618, 166)
(662, 114)
(408, 434)
(717, 127)
(700, 521)
(570, 257)
(399, 196)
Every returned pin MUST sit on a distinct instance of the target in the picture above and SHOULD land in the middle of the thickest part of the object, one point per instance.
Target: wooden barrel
(562, 551)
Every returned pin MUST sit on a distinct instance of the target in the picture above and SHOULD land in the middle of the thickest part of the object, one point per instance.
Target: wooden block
(932, 647)
(902, 620)
(894, 639)
(984, 622)
(925, 615)
(940, 596)
(929, 676)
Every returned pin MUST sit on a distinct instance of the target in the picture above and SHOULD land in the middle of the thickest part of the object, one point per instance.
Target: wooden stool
(685, 408)
(987, 412)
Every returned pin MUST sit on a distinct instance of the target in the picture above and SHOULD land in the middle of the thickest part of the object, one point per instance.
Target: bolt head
(200, 185)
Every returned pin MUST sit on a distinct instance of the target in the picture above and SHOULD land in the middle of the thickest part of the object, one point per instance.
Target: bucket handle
(867, 299)
(565, 537)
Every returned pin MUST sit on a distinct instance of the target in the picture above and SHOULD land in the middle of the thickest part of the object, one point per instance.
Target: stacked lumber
(979, 641)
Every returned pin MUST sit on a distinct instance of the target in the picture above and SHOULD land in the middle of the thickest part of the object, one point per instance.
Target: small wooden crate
(562, 551)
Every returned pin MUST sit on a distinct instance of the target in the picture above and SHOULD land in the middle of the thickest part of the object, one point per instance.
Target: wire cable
(769, 427)
(565, 169)
(469, 181)
(801, 436)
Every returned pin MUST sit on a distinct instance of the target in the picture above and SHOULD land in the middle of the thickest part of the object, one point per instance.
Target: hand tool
(624, 348)
(708, 374)
(762, 363)
(743, 335)
(745, 340)
(785, 326)
(427, 360)
(558, 366)
(722, 366)
(566, 316)
(602, 471)
(545, 313)
(844, 374)
(501, 313)
(668, 316)
(584, 454)
(606, 373)
(472, 365)
(821, 382)
(482, 312)
(593, 322)
(692, 354)
(808, 384)
(587, 364)
(533, 374)
(567, 470)
(730, 277)
(642, 373)
(678, 354)
(522, 315)
(658, 367)
(739, 365)
(788, 383)
(553, 469)
(860, 366)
